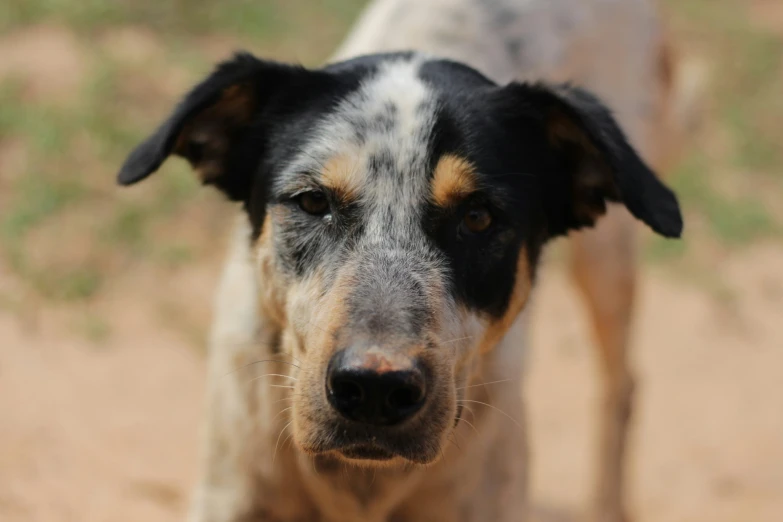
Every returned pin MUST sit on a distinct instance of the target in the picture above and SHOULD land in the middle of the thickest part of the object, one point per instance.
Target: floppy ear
(593, 163)
(218, 126)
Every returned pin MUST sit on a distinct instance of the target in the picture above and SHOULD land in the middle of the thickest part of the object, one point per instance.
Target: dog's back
(616, 48)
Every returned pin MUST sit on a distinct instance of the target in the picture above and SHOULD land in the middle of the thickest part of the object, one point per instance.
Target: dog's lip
(366, 452)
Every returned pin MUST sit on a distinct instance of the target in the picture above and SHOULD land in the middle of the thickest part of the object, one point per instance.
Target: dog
(395, 204)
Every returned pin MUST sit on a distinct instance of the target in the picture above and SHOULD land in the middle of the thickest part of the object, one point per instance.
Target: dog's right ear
(217, 127)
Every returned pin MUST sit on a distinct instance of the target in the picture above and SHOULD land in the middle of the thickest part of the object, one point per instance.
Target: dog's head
(398, 207)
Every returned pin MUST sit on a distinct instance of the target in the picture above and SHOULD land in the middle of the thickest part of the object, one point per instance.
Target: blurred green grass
(72, 150)
(731, 179)
(252, 20)
(62, 199)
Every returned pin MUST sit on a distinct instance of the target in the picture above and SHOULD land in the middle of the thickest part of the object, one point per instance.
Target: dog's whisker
(512, 419)
(281, 412)
(274, 455)
(281, 386)
(235, 370)
(288, 439)
(462, 419)
(312, 323)
(283, 399)
(315, 468)
(451, 439)
(292, 356)
(484, 384)
(473, 413)
(461, 437)
(274, 375)
(458, 339)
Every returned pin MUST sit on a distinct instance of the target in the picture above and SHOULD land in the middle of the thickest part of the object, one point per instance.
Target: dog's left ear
(591, 162)
(219, 126)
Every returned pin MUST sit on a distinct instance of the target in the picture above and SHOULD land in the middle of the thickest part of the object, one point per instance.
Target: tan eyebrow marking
(454, 178)
(343, 174)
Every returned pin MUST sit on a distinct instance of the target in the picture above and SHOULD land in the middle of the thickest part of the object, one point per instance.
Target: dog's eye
(314, 203)
(477, 219)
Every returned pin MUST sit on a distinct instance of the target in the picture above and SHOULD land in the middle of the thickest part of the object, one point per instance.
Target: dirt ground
(99, 422)
(107, 432)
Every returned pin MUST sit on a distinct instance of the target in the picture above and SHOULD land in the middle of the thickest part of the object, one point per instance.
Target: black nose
(375, 390)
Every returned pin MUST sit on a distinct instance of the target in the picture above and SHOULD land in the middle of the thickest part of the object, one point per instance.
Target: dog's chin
(419, 444)
(366, 452)
(369, 455)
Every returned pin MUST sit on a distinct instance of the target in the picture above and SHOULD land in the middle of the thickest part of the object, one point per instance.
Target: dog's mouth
(366, 452)
(366, 449)
(417, 440)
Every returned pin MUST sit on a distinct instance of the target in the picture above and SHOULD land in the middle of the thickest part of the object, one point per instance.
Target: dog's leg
(603, 259)
(604, 267)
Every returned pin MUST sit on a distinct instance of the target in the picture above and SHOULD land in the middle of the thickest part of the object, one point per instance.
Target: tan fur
(523, 283)
(680, 79)
(315, 329)
(211, 128)
(453, 179)
(604, 269)
(344, 176)
(595, 173)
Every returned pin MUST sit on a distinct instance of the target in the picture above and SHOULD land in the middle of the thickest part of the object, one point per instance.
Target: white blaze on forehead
(398, 82)
(382, 131)
(397, 191)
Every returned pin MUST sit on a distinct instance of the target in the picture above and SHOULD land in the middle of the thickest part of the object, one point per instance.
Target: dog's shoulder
(235, 315)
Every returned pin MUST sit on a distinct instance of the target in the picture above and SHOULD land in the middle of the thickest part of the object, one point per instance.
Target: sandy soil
(99, 433)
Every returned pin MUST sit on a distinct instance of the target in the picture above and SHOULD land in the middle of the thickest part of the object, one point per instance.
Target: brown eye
(314, 203)
(477, 219)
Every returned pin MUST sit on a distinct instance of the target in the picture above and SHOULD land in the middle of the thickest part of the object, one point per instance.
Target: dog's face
(398, 207)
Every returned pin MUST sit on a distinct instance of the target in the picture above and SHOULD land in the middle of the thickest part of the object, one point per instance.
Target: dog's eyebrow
(454, 178)
(344, 175)
(296, 182)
